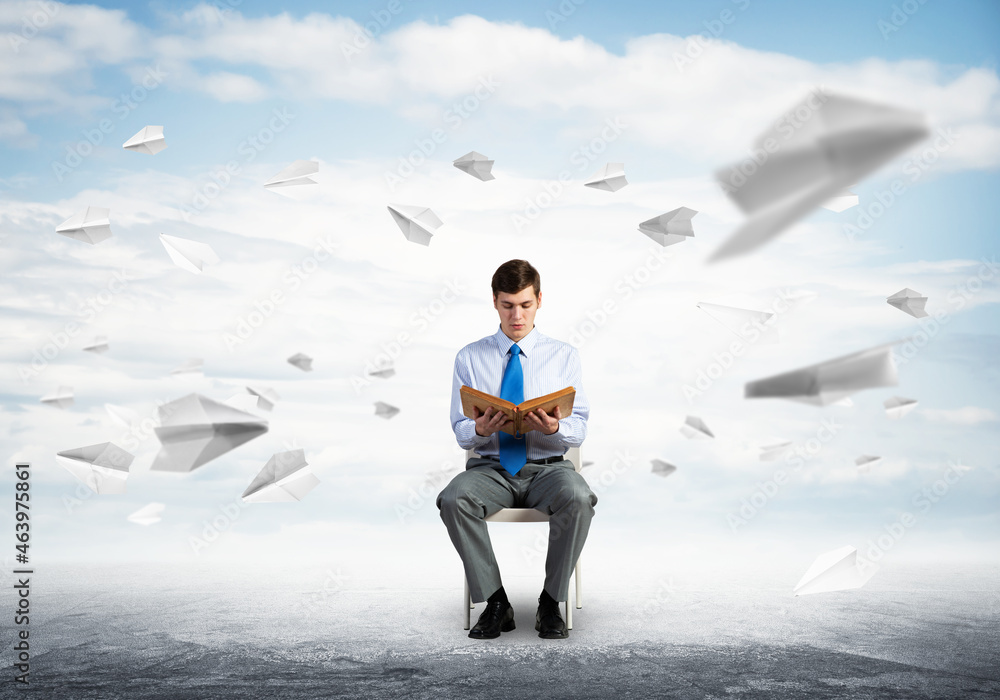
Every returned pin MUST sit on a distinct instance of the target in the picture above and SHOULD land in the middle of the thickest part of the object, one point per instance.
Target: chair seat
(518, 515)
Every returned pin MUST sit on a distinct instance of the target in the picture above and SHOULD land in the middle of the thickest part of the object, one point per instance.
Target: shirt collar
(527, 343)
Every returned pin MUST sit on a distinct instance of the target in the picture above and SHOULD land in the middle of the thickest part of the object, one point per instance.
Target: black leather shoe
(548, 621)
(496, 618)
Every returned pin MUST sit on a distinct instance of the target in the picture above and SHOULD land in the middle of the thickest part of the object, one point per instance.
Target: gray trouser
(485, 487)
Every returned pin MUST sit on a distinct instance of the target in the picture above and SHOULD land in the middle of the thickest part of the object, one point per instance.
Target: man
(518, 363)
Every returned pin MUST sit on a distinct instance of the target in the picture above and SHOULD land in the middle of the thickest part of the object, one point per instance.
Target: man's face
(517, 312)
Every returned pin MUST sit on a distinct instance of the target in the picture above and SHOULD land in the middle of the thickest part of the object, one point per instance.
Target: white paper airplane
(476, 164)
(661, 468)
(91, 225)
(99, 344)
(148, 515)
(826, 382)
(909, 301)
(195, 430)
(302, 361)
(610, 178)
(843, 140)
(383, 373)
(418, 224)
(694, 428)
(896, 407)
(60, 398)
(842, 201)
(295, 174)
(385, 410)
(149, 140)
(771, 452)
(865, 462)
(103, 468)
(747, 324)
(266, 397)
(189, 255)
(190, 366)
(837, 570)
(285, 477)
(670, 228)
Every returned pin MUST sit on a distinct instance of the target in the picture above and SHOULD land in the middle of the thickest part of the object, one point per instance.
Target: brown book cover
(481, 400)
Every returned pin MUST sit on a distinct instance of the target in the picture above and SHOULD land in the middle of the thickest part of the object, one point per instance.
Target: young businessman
(518, 363)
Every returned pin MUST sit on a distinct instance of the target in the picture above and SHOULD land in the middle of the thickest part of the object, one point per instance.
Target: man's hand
(540, 420)
(489, 422)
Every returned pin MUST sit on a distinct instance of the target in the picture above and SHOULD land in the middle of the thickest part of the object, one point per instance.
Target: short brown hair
(515, 275)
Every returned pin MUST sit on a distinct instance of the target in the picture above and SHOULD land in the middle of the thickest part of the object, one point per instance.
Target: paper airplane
(837, 570)
(148, 515)
(695, 428)
(149, 140)
(190, 366)
(99, 345)
(476, 164)
(752, 326)
(103, 468)
(896, 407)
(842, 201)
(909, 301)
(189, 255)
(385, 410)
(771, 452)
(285, 477)
(418, 224)
(295, 174)
(60, 398)
(864, 462)
(90, 225)
(662, 468)
(195, 430)
(672, 227)
(842, 140)
(383, 373)
(610, 178)
(302, 361)
(266, 397)
(826, 382)
(125, 417)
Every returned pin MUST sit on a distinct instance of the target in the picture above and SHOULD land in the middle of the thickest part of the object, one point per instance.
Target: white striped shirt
(548, 365)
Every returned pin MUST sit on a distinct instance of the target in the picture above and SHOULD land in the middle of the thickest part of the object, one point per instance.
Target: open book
(481, 400)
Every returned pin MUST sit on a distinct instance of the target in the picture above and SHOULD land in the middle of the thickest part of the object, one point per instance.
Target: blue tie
(513, 452)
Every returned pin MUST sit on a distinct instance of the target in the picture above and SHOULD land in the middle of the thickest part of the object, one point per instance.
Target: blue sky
(547, 92)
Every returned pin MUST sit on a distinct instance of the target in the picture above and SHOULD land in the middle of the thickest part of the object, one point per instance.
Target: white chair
(530, 515)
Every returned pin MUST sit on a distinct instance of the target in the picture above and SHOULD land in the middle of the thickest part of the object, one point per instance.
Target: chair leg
(569, 612)
(579, 586)
(467, 603)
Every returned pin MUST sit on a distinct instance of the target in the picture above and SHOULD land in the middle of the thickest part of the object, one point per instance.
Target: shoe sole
(505, 627)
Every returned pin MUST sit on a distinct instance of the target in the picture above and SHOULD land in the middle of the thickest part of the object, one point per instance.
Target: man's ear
(495, 301)
(538, 301)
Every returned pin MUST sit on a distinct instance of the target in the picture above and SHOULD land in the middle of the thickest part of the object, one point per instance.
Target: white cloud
(967, 415)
